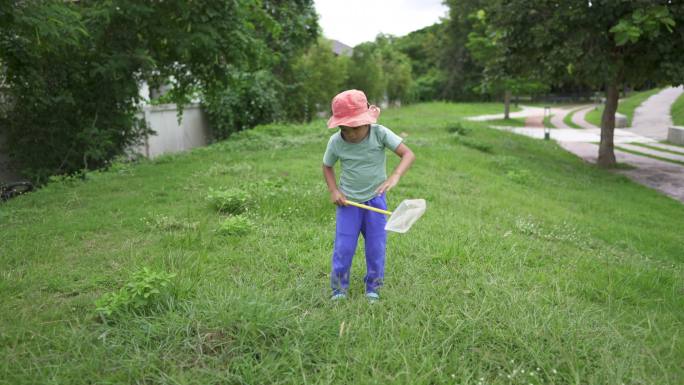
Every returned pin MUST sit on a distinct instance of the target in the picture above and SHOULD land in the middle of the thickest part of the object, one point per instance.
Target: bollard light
(547, 130)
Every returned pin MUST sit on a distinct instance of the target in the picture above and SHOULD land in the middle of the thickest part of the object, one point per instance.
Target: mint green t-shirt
(363, 163)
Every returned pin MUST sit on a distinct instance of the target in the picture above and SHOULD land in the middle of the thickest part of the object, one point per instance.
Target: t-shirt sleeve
(330, 156)
(389, 138)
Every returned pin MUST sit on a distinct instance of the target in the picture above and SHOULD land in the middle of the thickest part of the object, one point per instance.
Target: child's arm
(336, 195)
(407, 159)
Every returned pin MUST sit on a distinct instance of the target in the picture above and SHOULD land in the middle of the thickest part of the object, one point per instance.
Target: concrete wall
(193, 131)
(676, 135)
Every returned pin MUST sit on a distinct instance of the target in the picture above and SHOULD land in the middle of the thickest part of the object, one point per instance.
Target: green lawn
(529, 267)
(626, 106)
(568, 120)
(513, 122)
(677, 111)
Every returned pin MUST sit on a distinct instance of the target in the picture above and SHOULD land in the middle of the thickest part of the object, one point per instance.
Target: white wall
(193, 131)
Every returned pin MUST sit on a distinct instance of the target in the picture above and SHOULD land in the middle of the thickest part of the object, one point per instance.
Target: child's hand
(338, 198)
(388, 184)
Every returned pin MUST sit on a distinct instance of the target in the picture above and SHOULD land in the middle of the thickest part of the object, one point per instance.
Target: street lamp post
(547, 130)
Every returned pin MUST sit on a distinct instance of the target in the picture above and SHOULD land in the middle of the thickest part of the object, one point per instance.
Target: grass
(646, 145)
(568, 120)
(631, 151)
(677, 111)
(672, 144)
(626, 106)
(513, 122)
(524, 265)
(547, 121)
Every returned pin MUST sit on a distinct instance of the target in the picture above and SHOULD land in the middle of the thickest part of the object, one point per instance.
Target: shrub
(146, 289)
(236, 225)
(231, 201)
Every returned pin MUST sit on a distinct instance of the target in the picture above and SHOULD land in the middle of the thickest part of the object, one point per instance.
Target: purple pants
(350, 222)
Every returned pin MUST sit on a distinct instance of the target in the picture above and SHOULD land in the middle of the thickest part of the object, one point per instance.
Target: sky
(356, 21)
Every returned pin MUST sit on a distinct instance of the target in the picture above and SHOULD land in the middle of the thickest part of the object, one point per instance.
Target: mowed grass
(529, 267)
(677, 111)
(626, 106)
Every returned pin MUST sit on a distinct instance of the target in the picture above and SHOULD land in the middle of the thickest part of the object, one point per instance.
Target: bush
(236, 225)
(146, 289)
(249, 99)
(231, 201)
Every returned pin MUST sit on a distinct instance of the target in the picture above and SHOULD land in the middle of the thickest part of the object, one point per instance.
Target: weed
(230, 201)
(166, 223)
(145, 289)
(236, 225)
(474, 144)
(457, 128)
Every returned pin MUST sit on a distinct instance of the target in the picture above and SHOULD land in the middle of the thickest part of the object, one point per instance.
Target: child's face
(354, 134)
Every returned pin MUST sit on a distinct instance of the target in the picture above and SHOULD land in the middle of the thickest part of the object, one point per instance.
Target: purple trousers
(350, 222)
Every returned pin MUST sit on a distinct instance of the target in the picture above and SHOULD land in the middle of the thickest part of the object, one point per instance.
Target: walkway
(664, 176)
(653, 118)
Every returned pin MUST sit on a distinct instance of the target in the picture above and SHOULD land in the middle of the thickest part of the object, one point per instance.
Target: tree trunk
(507, 104)
(606, 156)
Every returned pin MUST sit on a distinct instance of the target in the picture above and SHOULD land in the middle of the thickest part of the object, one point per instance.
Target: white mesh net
(405, 215)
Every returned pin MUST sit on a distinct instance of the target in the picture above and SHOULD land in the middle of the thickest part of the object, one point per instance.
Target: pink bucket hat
(350, 108)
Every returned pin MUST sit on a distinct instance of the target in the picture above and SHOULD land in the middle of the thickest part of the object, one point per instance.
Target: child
(360, 146)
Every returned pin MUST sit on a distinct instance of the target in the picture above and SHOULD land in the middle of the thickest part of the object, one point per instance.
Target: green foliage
(147, 290)
(236, 225)
(320, 75)
(73, 70)
(229, 201)
(248, 100)
(643, 21)
(366, 72)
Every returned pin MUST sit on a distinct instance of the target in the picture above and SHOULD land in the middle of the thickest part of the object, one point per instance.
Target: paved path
(535, 121)
(653, 118)
(665, 177)
(526, 111)
(646, 150)
(579, 117)
(559, 114)
(661, 175)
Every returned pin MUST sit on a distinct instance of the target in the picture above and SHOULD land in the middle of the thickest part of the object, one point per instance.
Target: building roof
(340, 48)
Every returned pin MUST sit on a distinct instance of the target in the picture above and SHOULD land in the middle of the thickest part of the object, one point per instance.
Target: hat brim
(367, 117)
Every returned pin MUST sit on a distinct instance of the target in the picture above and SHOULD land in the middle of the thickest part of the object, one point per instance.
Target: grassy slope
(677, 111)
(527, 259)
(626, 107)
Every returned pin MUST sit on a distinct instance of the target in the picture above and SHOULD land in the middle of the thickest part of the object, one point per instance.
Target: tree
(484, 44)
(462, 72)
(396, 68)
(603, 43)
(320, 76)
(424, 49)
(366, 72)
(73, 69)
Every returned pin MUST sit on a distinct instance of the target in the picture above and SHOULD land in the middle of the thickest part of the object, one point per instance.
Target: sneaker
(373, 296)
(338, 296)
